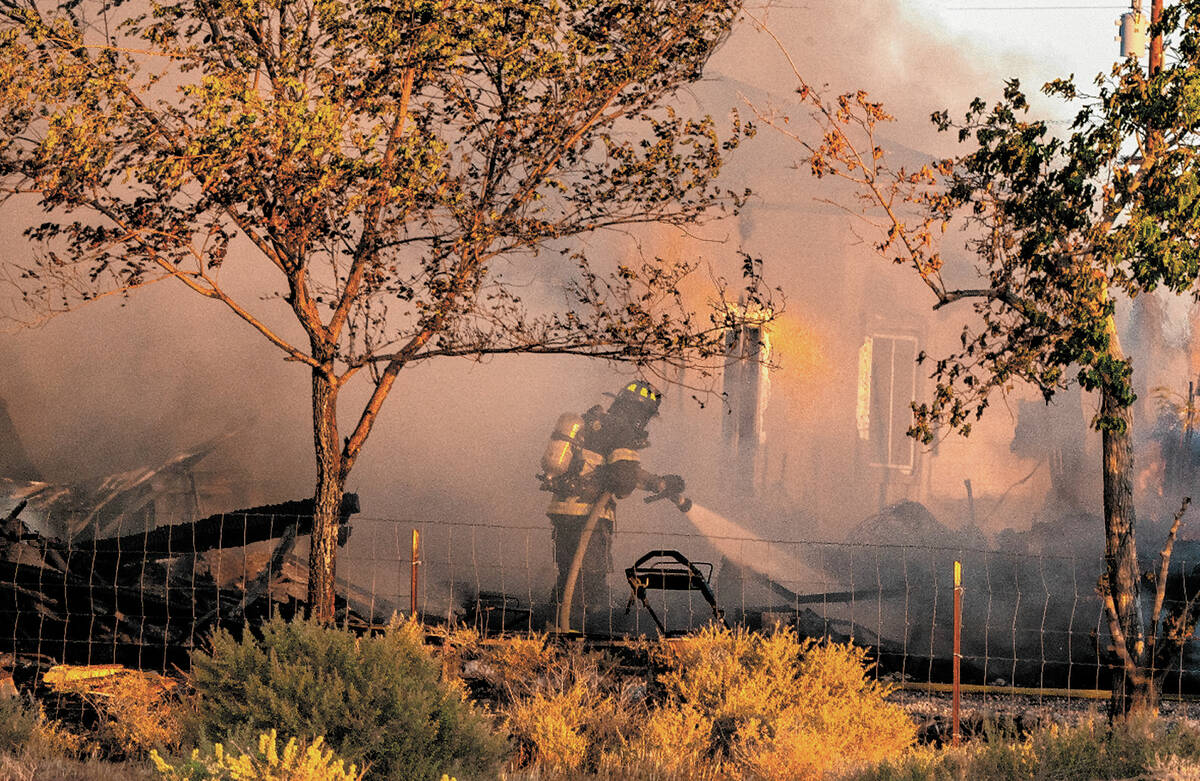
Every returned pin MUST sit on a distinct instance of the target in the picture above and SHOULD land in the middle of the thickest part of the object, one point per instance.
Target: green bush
(18, 720)
(377, 701)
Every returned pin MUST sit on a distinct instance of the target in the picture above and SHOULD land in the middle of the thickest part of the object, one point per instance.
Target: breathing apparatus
(631, 409)
(560, 451)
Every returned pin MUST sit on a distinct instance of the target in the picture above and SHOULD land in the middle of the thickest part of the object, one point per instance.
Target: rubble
(111, 505)
(146, 600)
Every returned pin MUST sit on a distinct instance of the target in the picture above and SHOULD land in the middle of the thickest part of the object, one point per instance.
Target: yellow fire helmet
(641, 394)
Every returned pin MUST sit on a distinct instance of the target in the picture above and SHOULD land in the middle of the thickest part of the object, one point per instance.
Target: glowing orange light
(802, 366)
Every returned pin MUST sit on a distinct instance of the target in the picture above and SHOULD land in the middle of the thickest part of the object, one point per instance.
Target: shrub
(781, 708)
(562, 707)
(724, 704)
(18, 720)
(135, 711)
(28, 737)
(378, 701)
(670, 743)
(34, 748)
(297, 762)
(1089, 750)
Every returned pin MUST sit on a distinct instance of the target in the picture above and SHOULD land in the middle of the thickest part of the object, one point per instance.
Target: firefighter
(591, 461)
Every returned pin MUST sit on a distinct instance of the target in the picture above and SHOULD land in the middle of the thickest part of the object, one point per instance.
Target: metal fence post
(954, 725)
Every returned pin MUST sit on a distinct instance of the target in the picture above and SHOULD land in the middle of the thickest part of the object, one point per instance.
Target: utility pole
(1156, 41)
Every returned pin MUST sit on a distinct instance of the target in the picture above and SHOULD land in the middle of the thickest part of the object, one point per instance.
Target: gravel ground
(932, 711)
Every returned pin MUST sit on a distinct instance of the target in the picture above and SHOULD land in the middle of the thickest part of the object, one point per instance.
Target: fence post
(416, 543)
(954, 726)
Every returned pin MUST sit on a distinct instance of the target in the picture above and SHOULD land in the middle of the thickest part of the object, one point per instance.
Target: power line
(1036, 8)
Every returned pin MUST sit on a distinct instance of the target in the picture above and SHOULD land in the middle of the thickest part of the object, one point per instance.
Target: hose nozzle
(679, 500)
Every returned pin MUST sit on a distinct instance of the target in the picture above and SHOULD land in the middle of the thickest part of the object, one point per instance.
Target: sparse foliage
(385, 174)
(1061, 225)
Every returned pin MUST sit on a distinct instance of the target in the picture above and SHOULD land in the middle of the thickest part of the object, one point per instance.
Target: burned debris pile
(146, 600)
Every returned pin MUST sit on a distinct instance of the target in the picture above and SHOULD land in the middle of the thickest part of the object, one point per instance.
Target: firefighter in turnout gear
(590, 462)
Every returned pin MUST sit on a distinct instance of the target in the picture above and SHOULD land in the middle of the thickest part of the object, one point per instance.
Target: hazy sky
(928, 54)
(1062, 36)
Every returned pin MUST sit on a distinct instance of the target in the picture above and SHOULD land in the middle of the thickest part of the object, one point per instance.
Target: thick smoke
(126, 383)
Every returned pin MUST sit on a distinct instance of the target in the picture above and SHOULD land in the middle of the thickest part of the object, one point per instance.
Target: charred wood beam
(227, 530)
(10, 526)
(260, 586)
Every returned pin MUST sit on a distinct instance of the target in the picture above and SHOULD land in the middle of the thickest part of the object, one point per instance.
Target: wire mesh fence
(1029, 621)
(147, 599)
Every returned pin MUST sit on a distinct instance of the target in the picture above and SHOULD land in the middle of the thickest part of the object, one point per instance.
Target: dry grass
(722, 705)
(136, 712)
(32, 766)
(34, 747)
(1145, 750)
(1174, 768)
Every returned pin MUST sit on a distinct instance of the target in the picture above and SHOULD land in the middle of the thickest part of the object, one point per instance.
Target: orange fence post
(416, 562)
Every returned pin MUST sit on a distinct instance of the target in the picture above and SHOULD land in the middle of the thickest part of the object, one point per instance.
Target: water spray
(747, 549)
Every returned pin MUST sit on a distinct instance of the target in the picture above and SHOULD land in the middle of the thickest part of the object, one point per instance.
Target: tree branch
(366, 248)
(1160, 585)
(1118, 636)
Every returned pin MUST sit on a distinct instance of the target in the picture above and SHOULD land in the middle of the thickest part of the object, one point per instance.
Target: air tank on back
(556, 460)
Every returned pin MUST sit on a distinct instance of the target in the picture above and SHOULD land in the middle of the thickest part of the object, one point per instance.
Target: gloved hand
(672, 485)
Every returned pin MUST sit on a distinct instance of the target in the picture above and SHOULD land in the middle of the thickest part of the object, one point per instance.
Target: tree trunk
(1131, 687)
(1145, 694)
(327, 498)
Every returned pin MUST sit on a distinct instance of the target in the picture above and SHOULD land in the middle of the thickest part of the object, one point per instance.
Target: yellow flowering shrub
(297, 762)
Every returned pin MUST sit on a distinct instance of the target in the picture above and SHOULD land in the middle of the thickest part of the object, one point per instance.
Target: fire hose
(585, 537)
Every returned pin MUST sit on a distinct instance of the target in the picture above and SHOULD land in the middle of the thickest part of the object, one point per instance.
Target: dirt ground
(932, 710)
